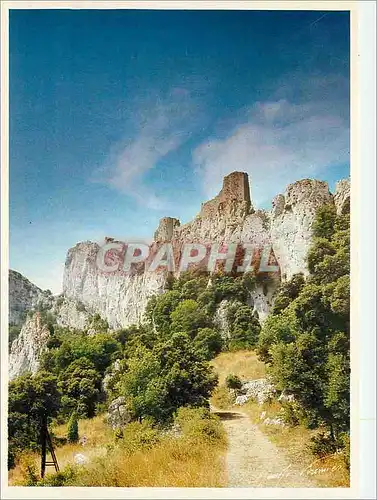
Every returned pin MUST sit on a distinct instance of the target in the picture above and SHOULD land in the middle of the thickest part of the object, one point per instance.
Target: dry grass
(294, 441)
(97, 434)
(174, 462)
(244, 364)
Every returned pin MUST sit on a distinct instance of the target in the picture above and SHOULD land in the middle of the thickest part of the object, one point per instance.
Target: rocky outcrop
(229, 218)
(260, 390)
(291, 223)
(342, 196)
(71, 313)
(24, 296)
(165, 229)
(26, 350)
(121, 298)
(118, 416)
(118, 298)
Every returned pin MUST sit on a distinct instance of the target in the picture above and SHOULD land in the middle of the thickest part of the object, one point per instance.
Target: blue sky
(118, 118)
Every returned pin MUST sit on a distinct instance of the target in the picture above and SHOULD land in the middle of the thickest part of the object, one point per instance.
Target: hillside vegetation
(164, 371)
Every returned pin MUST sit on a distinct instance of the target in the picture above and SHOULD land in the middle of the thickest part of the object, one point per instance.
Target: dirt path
(252, 460)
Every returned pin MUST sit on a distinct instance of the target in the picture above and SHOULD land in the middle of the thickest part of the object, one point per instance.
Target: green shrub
(140, 435)
(199, 424)
(323, 444)
(62, 478)
(31, 475)
(290, 413)
(73, 429)
(346, 448)
(233, 382)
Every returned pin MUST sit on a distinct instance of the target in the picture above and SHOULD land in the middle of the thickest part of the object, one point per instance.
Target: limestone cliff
(231, 218)
(119, 299)
(342, 196)
(27, 348)
(23, 297)
(291, 220)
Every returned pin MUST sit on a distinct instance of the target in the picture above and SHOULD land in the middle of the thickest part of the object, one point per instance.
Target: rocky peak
(291, 224)
(165, 230)
(308, 193)
(27, 348)
(24, 296)
(234, 197)
(227, 218)
(342, 196)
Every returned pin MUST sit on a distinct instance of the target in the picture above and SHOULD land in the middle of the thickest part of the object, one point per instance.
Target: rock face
(121, 298)
(229, 218)
(260, 390)
(291, 221)
(118, 298)
(24, 296)
(342, 196)
(70, 313)
(118, 415)
(26, 350)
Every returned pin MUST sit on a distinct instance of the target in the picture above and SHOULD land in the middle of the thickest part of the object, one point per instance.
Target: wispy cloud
(158, 128)
(277, 143)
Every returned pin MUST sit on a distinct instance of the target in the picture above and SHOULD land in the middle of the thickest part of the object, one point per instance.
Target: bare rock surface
(228, 218)
(24, 296)
(27, 348)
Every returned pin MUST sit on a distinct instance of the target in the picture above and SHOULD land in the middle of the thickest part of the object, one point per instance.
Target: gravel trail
(253, 461)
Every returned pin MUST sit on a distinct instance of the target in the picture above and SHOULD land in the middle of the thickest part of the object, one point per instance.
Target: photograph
(178, 283)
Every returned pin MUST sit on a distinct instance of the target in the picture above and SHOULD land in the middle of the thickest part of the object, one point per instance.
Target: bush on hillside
(73, 429)
(233, 382)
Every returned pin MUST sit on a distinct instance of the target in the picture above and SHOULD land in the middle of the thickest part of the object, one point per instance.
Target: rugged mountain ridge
(121, 299)
(228, 218)
(23, 297)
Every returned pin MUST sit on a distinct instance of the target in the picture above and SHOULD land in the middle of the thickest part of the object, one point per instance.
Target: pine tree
(73, 429)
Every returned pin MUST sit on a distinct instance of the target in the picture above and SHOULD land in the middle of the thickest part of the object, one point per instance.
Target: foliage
(96, 323)
(188, 317)
(31, 399)
(73, 429)
(306, 340)
(163, 362)
(233, 381)
(159, 380)
(199, 424)
(139, 436)
(208, 342)
(288, 292)
(244, 327)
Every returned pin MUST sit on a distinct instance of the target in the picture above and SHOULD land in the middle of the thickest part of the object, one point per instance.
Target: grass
(98, 434)
(244, 364)
(172, 463)
(294, 441)
(191, 460)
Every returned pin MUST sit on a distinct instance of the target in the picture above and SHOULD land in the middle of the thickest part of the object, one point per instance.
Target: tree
(288, 292)
(244, 327)
(159, 309)
(80, 386)
(159, 381)
(306, 341)
(73, 429)
(188, 317)
(32, 399)
(208, 342)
